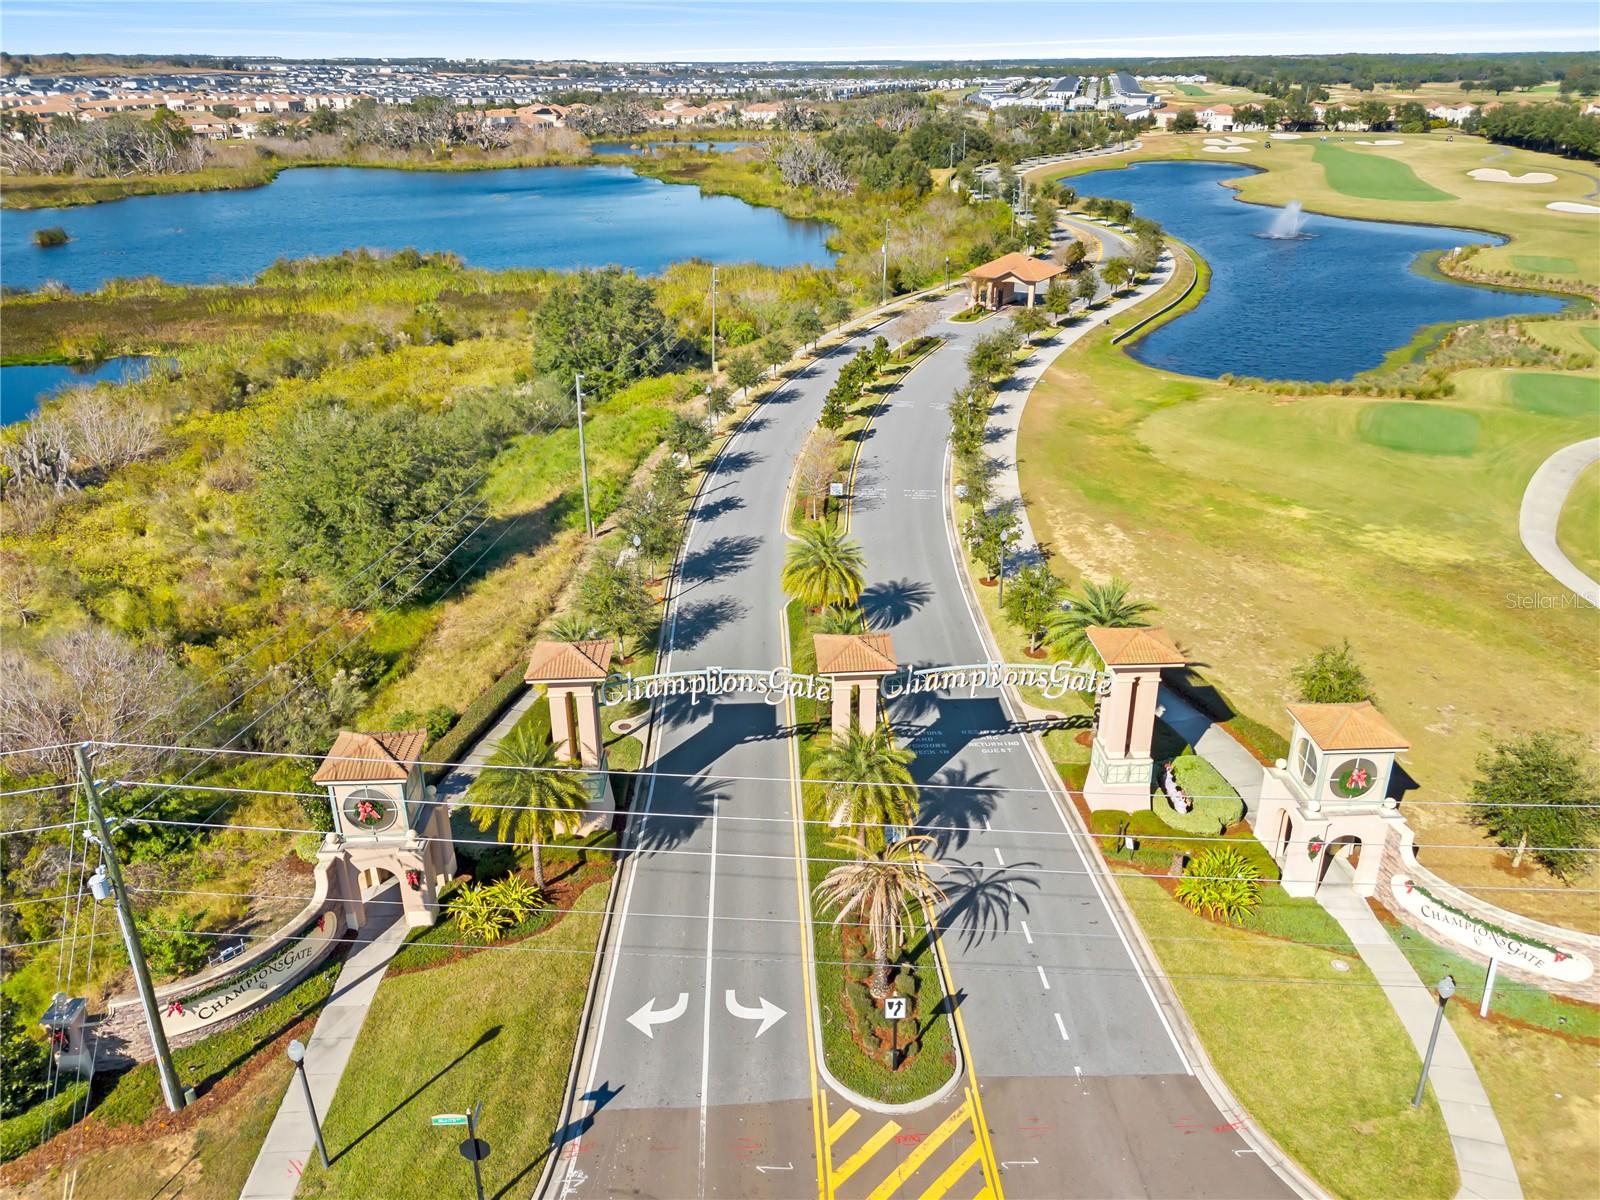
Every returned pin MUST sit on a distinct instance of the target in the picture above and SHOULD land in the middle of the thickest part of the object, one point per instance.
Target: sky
(738, 30)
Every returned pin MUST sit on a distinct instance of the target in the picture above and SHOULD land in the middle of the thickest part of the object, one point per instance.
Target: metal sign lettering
(1054, 680)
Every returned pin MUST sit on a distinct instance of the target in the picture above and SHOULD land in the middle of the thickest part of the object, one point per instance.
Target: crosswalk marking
(952, 1174)
(859, 1159)
(920, 1154)
(842, 1126)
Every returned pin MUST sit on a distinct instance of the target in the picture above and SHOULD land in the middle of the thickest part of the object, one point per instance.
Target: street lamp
(297, 1055)
(1447, 988)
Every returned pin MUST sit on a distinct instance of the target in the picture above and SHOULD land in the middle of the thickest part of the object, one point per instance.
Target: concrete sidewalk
(1487, 1172)
(291, 1143)
(1541, 513)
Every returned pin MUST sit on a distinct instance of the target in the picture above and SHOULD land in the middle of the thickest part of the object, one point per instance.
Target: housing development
(1008, 609)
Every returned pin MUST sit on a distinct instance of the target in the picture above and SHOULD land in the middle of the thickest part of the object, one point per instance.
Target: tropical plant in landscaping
(687, 437)
(1221, 883)
(571, 627)
(824, 568)
(477, 916)
(870, 787)
(881, 891)
(840, 620)
(1331, 676)
(531, 801)
(1102, 605)
(1539, 788)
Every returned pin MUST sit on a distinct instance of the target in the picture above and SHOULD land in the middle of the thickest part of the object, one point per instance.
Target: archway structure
(855, 665)
(1121, 770)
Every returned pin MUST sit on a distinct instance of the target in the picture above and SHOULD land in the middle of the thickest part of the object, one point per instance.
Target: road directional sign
(647, 1018)
(449, 1118)
(768, 1013)
(894, 1008)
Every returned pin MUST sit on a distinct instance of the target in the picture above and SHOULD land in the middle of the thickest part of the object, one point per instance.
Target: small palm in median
(872, 788)
(1102, 605)
(531, 801)
(824, 569)
(880, 891)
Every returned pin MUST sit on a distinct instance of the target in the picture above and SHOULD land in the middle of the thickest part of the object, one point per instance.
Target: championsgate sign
(1566, 965)
(779, 684)
(259, 983)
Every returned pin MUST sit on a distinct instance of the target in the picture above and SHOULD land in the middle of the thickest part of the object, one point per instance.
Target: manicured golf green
(1555, 395)
(1545, 264)
(1373, 177)
(1419, 428)
(1191, 89)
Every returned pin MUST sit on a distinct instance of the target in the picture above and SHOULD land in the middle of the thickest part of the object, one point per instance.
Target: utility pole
(583, 456)
(885, 297)
(170, 1087)
(713, 321)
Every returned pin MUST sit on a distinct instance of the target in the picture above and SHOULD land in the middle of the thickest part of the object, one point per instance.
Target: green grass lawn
(1545, 264)
(1419, 428)
(1190, 89)
(1556, 395)
(1270, 1014)
(1373, 176)
(498, 1026)
(1578, 532)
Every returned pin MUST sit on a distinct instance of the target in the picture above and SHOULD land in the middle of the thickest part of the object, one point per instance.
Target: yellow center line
(859, 1159)
(923, 1149)
(842, 1126)
(953, 1173)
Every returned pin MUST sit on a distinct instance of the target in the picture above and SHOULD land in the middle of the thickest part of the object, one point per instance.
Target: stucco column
(1115, 706)
(869, 705)
(1033, 294)
(560, 726)
(842, 690)
(1146, 686)
(589, 739)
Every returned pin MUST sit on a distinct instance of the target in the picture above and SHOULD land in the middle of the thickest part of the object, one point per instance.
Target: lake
(556, 217)
(660, 147)
(1324, 306)
(24, 388)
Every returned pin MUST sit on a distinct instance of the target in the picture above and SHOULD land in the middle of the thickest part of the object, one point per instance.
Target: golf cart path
(1541, 513)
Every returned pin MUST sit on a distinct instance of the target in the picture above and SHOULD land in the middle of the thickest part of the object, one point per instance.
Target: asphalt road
(1057, 1013)
(707, 1097)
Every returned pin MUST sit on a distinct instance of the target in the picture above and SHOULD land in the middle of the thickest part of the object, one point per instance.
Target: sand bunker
(1496, 175)
(1287, 137)
(1380, 142)
(1227, 150)
(1228, 141)
(1573, 206)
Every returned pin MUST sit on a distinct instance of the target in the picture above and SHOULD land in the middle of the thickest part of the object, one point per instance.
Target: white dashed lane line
(1043, 978)
(1062, 1026)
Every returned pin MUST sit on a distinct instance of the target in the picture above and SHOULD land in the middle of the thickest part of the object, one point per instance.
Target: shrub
(1216, 805)
(23, 1132)
(52, 236)
(177, 950)
(27, 1063)
(484, 710)
(1221, 883)
(1331, 676)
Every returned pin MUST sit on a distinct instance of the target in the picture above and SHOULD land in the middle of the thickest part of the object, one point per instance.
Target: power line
(1174, 835)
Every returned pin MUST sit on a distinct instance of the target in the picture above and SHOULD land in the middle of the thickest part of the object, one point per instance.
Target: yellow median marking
(923, 1149)
(953, 1173)
(842, 1126)
(859, 1159)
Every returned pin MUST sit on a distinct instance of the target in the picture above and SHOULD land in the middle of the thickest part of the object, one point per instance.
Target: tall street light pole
(1447, 988)
(583, 456)
(885, 296)
(713, 321)
(297, 1055)
(171, 1089)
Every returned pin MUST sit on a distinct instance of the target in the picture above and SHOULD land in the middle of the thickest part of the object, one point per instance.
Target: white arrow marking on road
(647, 1017)
(1021, 1162)
(785, 1167)
(769, 1014)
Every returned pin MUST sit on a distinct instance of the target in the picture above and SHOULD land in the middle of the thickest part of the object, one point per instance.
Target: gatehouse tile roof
(553, 662)
(855, 654)
(1144, 646)
(371, 757)
(1357, 726)
(1022, 266)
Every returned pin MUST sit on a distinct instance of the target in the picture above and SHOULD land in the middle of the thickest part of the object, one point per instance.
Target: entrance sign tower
(386, 824)
(855, 666)
(571, 674)
(1121, 770)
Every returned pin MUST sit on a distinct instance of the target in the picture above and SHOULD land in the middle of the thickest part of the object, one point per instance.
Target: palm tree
(530, 803)
(840, 620)
(824, 568)
(571, 627)
(880, 890)
(874, 789)
(1105, 605)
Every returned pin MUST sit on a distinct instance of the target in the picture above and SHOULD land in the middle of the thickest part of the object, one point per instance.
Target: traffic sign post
(895, 1009)
(474, 1149)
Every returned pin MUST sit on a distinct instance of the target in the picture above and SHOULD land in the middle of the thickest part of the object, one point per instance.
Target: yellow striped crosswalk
(938, 1166)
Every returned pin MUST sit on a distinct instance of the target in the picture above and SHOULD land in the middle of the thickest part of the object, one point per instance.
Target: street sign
(449, 1118)
(894, 1008)
(836, 489)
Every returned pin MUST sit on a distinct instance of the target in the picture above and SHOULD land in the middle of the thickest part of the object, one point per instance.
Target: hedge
(25, 1131)
(479, 716)
(1216, 804)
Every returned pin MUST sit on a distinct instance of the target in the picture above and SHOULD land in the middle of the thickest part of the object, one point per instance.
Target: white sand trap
(1496, 175)
(1286, 137)
(1227, 150)
(1573, 206)
(1228, 141)
(1380, 142)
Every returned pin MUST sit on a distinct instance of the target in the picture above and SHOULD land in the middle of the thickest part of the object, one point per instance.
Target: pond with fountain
(1295, 295)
